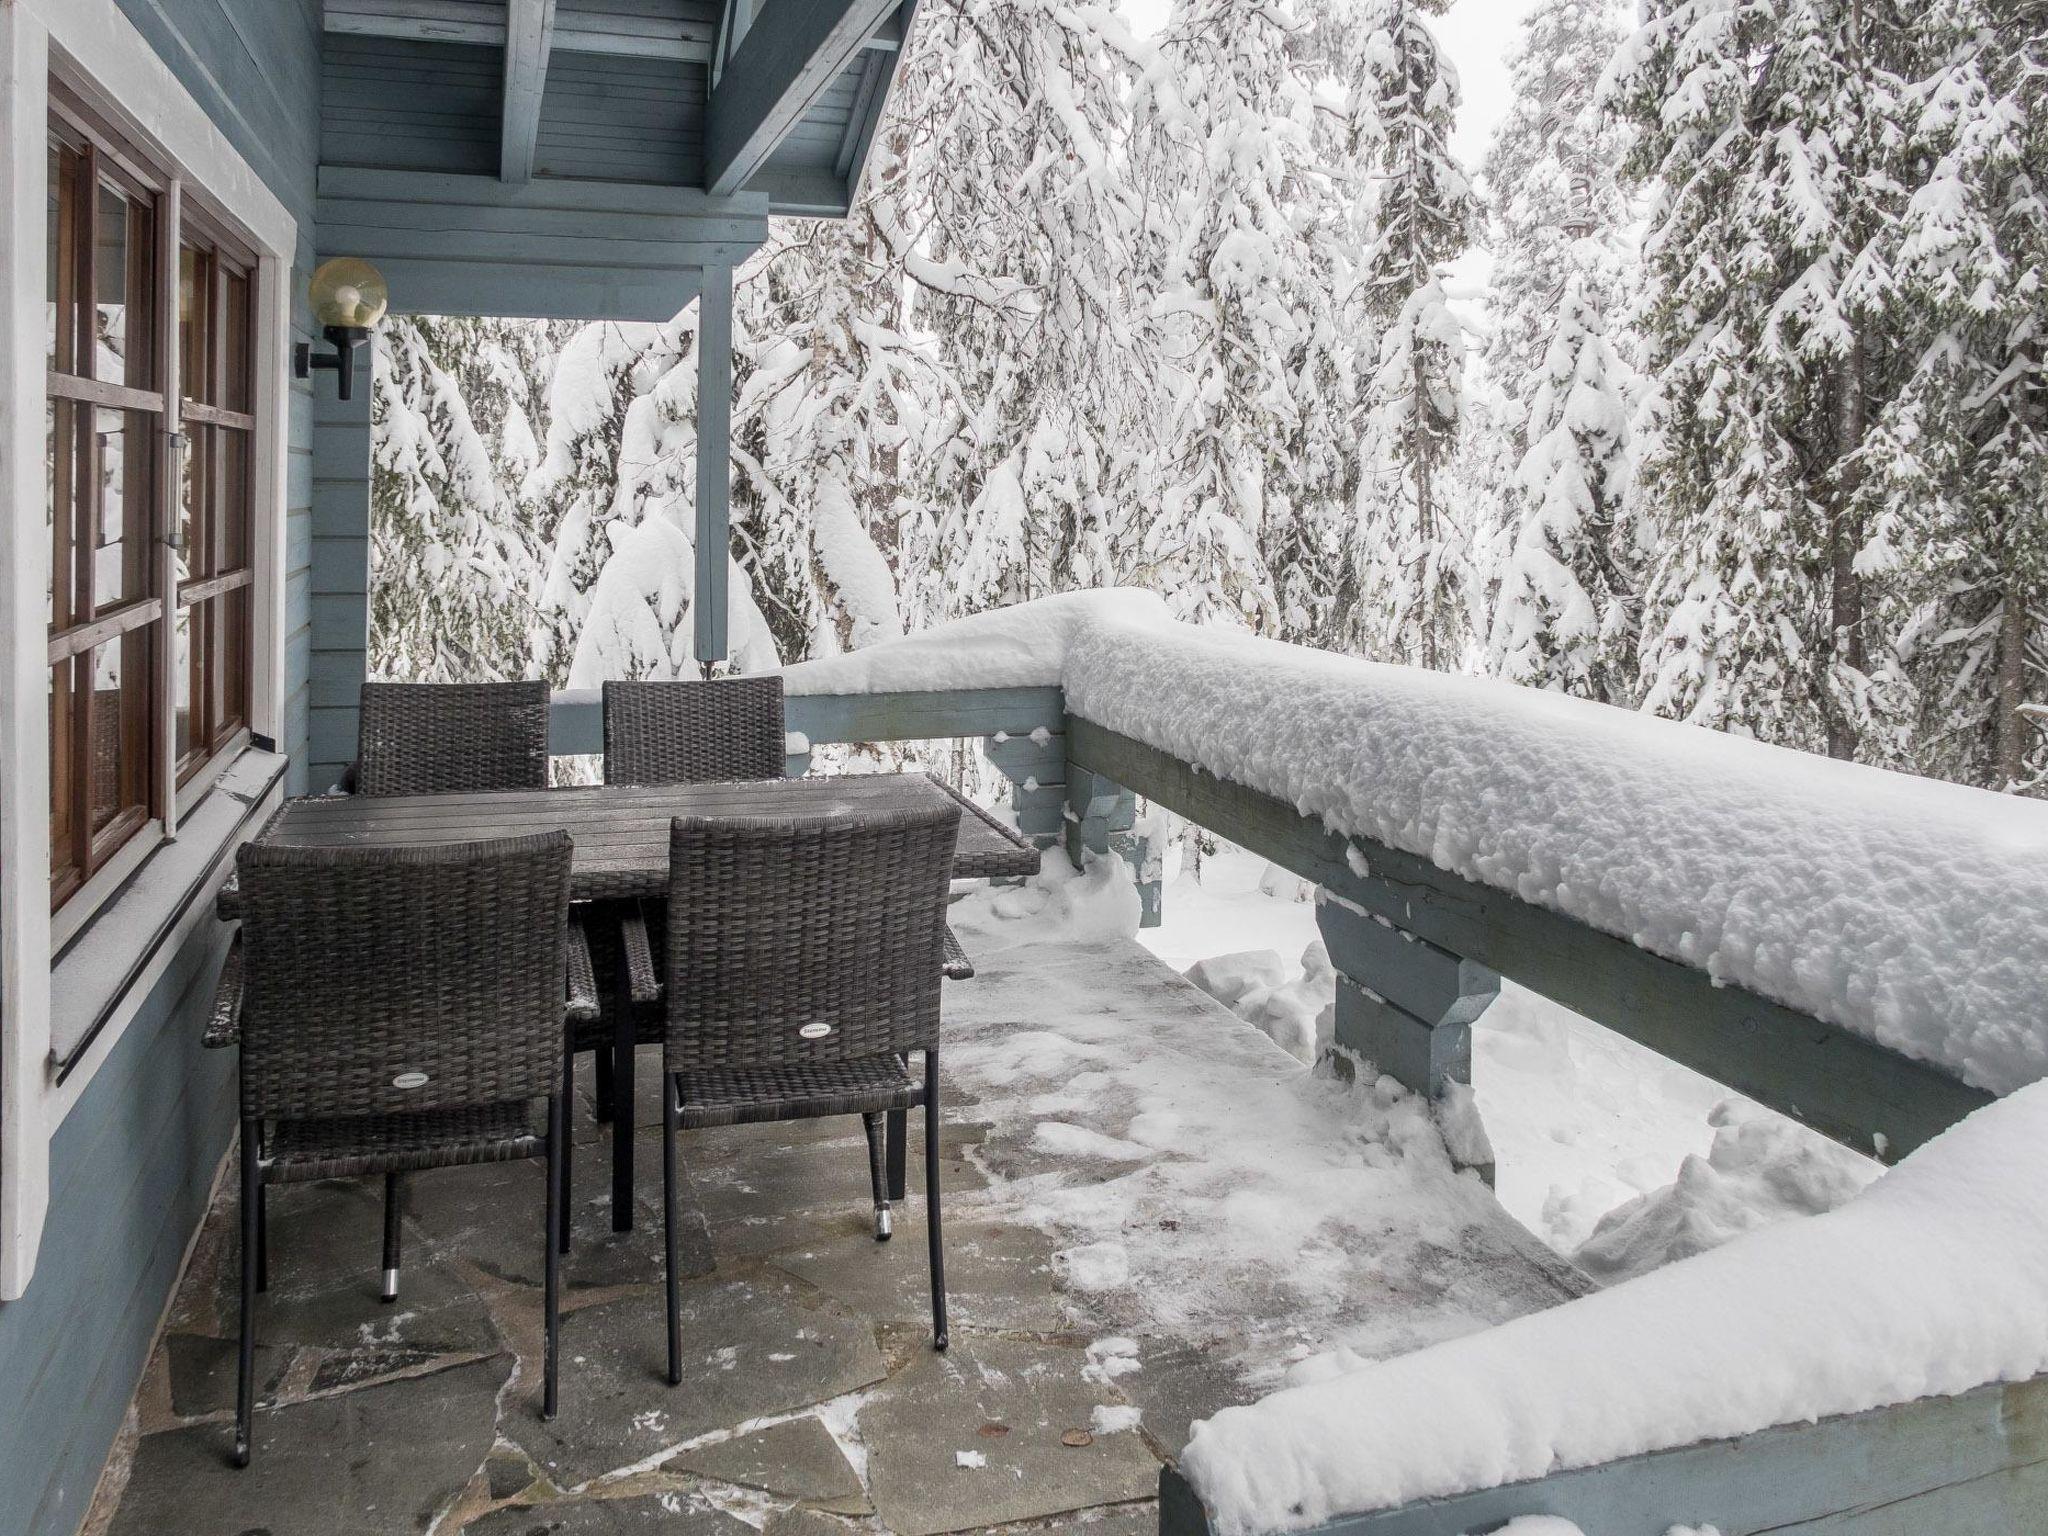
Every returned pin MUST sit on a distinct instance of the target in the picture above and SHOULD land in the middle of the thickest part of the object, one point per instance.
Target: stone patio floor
(812, 1403)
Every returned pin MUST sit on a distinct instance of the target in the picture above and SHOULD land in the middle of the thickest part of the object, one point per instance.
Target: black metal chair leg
(670, 1130)
(551, 1298)
(603, 1055)
(245, 1364)
(262, 1237)
(931, 1198)
(623, 1042)
(899, 1139)
(878, 1175)
(568, 1142)
(390, 1292)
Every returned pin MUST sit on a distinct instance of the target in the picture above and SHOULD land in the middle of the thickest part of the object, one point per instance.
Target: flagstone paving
(812, 1402)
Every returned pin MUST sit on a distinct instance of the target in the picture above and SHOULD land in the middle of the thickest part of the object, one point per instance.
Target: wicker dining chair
(668, 732)
(399, 1009)
(803, 963)
(451, 738)
(693, 733)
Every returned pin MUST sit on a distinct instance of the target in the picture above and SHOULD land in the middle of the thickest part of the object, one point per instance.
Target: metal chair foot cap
(241, 1453)
(939, 1342)
(390, 1292)
(884, 1226)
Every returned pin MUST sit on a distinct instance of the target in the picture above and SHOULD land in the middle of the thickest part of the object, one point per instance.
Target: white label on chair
(410, 1080)
(815, 1031)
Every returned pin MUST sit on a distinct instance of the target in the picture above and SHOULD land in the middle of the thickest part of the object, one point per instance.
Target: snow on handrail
(1909, 911)
(1931, 1282)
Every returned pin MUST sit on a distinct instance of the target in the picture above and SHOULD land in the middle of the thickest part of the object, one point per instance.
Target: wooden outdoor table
(621, 853)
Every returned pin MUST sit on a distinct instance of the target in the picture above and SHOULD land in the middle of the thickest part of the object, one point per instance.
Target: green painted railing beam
(1839, 1083)
(1975, 1463)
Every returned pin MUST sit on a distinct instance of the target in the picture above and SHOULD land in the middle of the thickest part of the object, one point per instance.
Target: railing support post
(1035, 763)
(1101, 818)
(1406, 1005)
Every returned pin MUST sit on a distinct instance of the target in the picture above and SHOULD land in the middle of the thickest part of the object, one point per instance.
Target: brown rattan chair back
(693, 733)
(808, 940)
(446, 738)
(387, 980)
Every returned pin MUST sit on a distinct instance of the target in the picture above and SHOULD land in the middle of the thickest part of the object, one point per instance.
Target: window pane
(63, 737)
(181, 708)
(61, 272)
(233, 641)
(61, 463)
(117, 773)
(195, 307)
(235, 345)
(124, 272)
(233, 541)
(127, 450)
(193, 556)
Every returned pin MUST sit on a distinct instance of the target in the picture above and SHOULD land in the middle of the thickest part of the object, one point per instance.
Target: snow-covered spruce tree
(1770, 134)
(1245, 236)
(456, 551)
(1557, 385)
(1410, 594)
(1564, 616)
(1020, 242)
(1972, 256)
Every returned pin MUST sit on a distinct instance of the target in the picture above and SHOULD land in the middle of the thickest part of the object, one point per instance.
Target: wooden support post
(1407, 1006)
(1034, 760)
(714, 461)
(1101, 818)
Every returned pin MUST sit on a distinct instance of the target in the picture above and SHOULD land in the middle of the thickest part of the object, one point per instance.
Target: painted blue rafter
(529, 37)
(789, 56)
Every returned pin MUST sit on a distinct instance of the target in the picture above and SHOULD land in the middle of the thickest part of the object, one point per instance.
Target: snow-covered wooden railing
(1860, 950)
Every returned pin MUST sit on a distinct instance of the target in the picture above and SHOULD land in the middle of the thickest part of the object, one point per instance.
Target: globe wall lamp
(349, 297)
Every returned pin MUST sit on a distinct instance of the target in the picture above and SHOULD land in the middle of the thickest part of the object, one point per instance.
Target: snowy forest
(1747, 427)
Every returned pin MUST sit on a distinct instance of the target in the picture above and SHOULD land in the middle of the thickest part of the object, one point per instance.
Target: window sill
(95, 977)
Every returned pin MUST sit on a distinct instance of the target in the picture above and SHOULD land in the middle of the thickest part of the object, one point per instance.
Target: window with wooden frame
(216, 318)
(150, 571)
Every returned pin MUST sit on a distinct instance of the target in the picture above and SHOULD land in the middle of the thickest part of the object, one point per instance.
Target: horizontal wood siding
(622, 120)
(130, 1169)
(410, 106)
(1839, 1083)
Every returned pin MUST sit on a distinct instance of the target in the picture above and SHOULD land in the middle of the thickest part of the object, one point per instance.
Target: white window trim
(99, 54)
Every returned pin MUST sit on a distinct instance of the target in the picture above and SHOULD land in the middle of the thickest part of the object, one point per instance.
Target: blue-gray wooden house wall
(131, 1165)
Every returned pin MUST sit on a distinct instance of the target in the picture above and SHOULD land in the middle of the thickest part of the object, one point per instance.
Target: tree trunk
(1845, 539)
(2010, 726)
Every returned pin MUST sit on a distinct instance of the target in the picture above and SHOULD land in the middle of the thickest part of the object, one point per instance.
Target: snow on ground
(1585, 1123)
(1204, 1187)
(1932, 1281)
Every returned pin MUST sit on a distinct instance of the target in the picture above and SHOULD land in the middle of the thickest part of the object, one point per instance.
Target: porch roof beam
(607, 34)
(529, 37)
(789, 57)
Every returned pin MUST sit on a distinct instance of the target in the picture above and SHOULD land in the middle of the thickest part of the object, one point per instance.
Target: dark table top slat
(621, 831)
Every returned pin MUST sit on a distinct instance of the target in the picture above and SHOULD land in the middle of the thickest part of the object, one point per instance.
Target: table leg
(899, 1134)
(623, 1042)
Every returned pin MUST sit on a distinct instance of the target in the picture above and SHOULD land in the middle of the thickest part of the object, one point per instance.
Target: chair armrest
(638, 945)
(580, 1005)
(224, 1024)
(957, 966)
